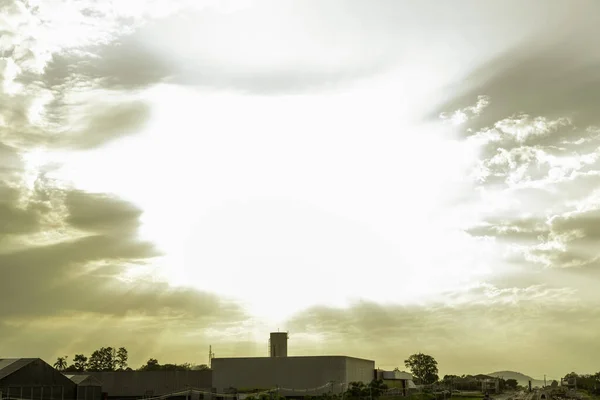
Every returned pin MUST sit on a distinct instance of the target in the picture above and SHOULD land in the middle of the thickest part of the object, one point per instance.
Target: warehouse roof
(11, 365)
(290, 357)
(84, 380)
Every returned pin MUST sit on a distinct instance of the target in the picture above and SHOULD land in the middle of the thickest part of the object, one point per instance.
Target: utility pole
(544, 380)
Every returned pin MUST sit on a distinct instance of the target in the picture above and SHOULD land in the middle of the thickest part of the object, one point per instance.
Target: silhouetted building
(88, 387)
(34, 379)
(130, 385)
(278, 344)
(291, 376)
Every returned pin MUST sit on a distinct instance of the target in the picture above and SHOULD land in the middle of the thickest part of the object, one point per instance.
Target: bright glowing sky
(380, 178)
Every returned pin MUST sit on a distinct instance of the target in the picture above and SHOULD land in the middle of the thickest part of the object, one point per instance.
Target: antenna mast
(211, 355)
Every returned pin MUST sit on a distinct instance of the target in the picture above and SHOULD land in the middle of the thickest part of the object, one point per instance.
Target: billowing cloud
(538, 158)
(555, 76)
(72, 260)
(498, 322)
(80, 272)
(74, 77)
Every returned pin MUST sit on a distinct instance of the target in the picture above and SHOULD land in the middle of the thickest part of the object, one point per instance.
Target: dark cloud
(124, 64)
(13, 219)
(564, 240)
(100, 212)
(65, 254)
(80, 278)
(10, 161)
(586, 224)
(538, 77)
(88, 268)
(543, 97)
(68, 124)
(389, 334)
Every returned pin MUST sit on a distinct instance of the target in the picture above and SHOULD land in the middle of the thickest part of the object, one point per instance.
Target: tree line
(587, 382)
(355, 390)
(425, 372)
(107, 359)
(423, 367)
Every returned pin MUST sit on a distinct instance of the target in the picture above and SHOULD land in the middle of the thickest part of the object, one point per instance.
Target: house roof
(11, 365)
(84, 380)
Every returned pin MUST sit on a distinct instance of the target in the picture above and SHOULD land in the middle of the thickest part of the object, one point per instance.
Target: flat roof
(295, 357)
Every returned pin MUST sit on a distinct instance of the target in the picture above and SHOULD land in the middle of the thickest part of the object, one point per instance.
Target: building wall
(297, 373)
(359, 370)
(123, 384)
(89, 392)
(38, 380)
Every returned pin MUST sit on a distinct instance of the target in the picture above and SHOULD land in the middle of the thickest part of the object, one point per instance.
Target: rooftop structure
(278, 344)
(289, 376)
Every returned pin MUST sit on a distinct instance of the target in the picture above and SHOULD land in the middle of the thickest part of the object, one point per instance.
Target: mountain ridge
(521, 378)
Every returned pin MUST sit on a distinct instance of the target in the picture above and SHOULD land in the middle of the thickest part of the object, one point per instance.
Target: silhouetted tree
(511, 383)
(423, 367)
(103, 359)
(153, 365)
(356, 389)
(377, 388)
(121, 358)
(61, 363)
(80, 362)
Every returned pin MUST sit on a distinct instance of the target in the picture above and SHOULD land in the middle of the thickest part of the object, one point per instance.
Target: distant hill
(521, 378)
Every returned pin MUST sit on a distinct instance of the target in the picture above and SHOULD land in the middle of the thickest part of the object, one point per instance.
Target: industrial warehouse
(289, 376)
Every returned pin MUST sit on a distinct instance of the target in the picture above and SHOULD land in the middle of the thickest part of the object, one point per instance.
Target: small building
(399, 382)
(88, 387)
(33, 379)
(490, 386)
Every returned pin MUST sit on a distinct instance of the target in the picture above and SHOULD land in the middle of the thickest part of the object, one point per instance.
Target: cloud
(105, 124)
(124, 64)
(14, 220)
(536, 176)
(87, 266)
(545, 169)
(160, 52)
(82, 273)
(72, 260)
(549, 77)
(499, 323)
(57, 107)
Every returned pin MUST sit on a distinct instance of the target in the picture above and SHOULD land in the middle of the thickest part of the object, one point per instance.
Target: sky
(379, 178)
